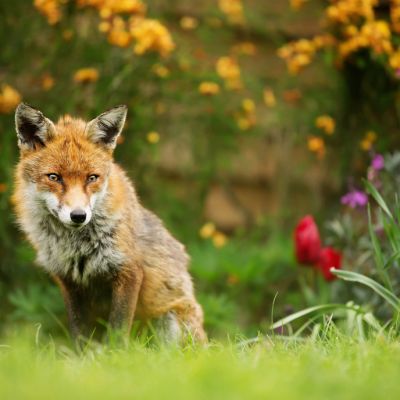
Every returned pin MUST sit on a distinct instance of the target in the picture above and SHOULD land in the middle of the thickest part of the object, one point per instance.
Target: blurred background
(244, 116)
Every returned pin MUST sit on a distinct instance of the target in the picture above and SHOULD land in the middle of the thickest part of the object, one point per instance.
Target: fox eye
(54, 177)
(92, 178)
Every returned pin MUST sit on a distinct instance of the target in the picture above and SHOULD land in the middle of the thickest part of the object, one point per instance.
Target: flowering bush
(147, 34)
(353, 26)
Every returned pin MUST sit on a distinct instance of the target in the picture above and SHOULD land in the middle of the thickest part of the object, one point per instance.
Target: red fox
(110, 256)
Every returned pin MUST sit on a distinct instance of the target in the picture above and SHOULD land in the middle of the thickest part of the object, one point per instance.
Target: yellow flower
(248, 106)
(228, 69)
(394, 60)
(269, 98)
(325, 123)
(209, 88)
(317, 146)
(108, 7)
(188, 23)
(233, 9)
(244, 123)
(207, 230)
(246, 48)
(153, 137)
(297, 4)
(219, 239)
(119, 38)
(298, 54)
(50, 9)
(104, 26)
(378, 35)
(368, 141)
(160, 70)
(151, 35)
(85, 75)
(9, 99)
(47, 82)
(395, 16)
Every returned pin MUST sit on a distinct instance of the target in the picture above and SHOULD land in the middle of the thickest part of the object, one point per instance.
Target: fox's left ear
(105, 129)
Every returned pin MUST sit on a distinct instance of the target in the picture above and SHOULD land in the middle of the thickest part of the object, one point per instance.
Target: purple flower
(378, 162)
(355, 198)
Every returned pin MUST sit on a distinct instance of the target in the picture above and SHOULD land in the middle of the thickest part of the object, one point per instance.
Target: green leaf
(350, 276)
(378, 198)
(311, 310)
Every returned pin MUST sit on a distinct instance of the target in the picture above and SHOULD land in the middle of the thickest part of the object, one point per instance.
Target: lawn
(334, 368)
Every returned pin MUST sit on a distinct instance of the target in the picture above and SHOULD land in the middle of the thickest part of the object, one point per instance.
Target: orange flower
(9, 99)
(228, 69)
(47, 82)
(233, 9)
(119, 38)
(292, 95)
(50, 9)
(3, 187)
(207, 230)
(246, 48)
(209, 88)
(219, 239)
(325, 123)
(248, 106)
(368, 141)
(151, 35)
(108, 7)
(153, 137)
(317, 146)
(297, 4)
(188, 23)
(269, 97)
(86, 75)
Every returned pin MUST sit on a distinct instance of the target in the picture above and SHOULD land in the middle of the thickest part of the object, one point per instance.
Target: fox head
(66, 165)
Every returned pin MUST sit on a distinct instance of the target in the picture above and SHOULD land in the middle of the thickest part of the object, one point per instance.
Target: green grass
(334, 368)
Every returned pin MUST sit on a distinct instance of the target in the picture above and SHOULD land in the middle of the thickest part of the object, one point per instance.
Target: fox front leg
(125, 293)
(74, 306)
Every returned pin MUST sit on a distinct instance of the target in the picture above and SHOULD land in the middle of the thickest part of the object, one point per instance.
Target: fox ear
(106, 128)
(33, 128)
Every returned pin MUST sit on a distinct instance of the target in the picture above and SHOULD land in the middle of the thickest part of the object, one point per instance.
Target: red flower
(307, 241)
(329, 258)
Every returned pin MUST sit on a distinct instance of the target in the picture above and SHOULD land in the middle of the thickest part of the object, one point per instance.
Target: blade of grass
(378, 255)
(321, 308)
(391, 260)
(350, 276)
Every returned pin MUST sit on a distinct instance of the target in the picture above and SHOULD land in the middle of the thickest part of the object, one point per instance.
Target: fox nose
(78, 216)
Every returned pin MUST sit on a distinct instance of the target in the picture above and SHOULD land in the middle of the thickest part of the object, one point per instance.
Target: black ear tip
(24, 107)
(122, 107)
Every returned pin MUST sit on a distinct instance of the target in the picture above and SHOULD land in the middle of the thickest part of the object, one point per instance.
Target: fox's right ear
(33, 128)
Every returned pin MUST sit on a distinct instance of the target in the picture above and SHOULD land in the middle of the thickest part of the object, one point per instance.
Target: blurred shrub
(360, 39)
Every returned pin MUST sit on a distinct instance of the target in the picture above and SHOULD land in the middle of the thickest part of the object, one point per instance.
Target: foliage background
(238, 158)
